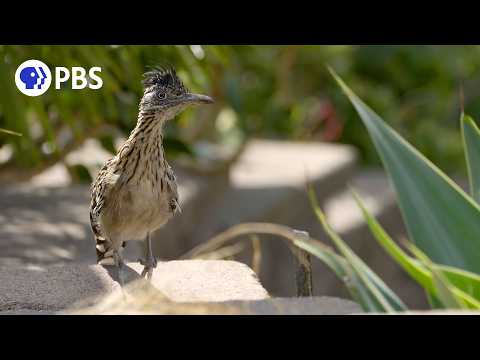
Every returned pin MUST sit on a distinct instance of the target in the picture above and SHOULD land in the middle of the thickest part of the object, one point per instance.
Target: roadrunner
(135, 192)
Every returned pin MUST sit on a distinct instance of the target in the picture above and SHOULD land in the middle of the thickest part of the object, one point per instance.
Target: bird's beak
(199, 99)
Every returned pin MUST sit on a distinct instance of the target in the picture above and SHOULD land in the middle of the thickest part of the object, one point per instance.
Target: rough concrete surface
(206, 280)
(59, 287)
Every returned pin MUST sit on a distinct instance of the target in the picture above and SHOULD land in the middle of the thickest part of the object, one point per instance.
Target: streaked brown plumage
(135, 192)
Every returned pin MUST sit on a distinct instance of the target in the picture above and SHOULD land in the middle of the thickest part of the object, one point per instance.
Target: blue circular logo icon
(33, 78)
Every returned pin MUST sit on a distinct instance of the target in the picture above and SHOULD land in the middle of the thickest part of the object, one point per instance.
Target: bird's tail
(103, 247)
(104, 252)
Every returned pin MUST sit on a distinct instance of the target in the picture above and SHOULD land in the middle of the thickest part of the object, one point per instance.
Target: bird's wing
(99, 192)
(172, 187)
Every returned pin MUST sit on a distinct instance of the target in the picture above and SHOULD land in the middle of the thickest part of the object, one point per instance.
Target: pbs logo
(33, 77)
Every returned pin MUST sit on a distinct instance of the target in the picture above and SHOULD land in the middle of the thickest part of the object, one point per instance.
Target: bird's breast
(140, 208)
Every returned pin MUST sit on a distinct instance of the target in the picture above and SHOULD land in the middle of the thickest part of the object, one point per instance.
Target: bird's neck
(143, 154)
(150, 122)
(149, 130)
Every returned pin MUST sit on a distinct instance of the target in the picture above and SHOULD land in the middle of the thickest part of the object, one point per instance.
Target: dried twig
(222, 253)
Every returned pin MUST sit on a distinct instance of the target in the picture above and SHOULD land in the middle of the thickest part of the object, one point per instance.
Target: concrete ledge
(60, 287)
(178, 287)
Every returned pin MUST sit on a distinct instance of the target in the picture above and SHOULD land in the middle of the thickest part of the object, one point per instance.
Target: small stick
(256, 254)
(303, 276)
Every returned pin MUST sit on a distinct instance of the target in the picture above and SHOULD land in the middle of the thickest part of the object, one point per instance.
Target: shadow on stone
(129, 274)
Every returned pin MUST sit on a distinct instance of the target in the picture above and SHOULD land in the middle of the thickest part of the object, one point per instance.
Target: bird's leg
(119, 264)
(149, 262)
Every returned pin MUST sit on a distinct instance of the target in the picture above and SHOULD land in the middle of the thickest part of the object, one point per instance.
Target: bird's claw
(149, 265)
(148, 271)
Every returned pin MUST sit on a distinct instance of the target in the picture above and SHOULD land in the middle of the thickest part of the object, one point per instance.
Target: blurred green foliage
(270, 91)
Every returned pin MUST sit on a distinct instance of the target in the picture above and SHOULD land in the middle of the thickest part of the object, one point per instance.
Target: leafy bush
(58, 121)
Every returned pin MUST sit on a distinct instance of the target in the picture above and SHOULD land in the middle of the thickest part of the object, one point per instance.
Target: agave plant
(442, 221)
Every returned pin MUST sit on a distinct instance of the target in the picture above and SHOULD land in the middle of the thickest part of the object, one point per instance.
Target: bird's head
(165, 93)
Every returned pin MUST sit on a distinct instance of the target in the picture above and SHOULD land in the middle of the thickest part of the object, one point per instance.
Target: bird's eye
(162, 95)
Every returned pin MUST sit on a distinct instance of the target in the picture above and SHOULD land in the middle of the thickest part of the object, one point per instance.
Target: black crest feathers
(164, 76)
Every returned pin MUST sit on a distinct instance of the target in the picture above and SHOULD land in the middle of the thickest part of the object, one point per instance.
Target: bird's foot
(149, 265)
